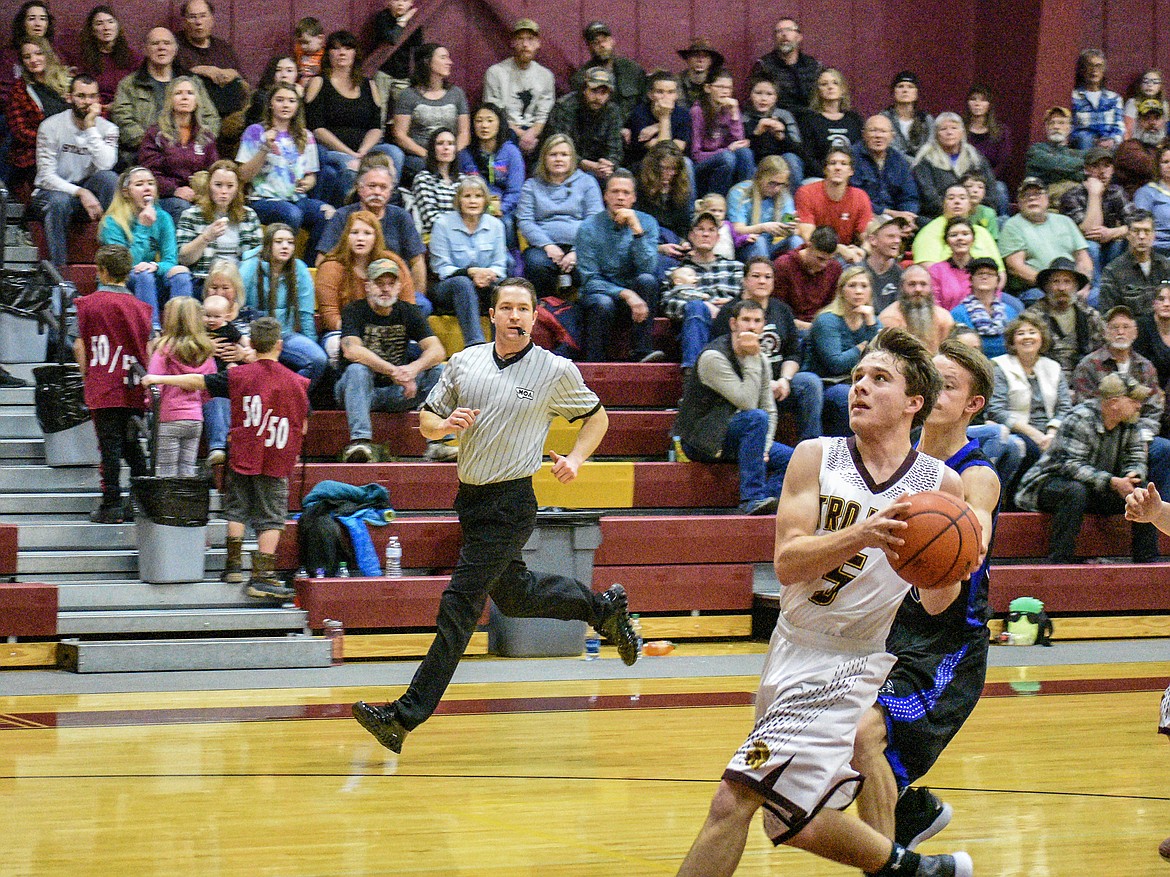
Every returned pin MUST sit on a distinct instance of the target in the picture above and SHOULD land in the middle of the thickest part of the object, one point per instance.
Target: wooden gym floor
(1058, 772)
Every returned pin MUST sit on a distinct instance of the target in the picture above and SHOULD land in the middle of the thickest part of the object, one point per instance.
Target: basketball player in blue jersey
(942, 660)
(837, 530)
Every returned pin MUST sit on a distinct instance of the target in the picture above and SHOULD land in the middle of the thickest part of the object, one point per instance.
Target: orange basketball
(942, 541)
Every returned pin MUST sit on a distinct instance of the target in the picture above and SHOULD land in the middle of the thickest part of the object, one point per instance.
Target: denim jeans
(57, 210)
(695, 332)
(745, 441)
(155, 289)
(836, 409)
(601, 312)
(217, 422)
(174, 207)
(304, 356)
(806, 401)
(543, 273)
(358, 391)
(303, 212)
(724, 169)
(769, 247)
(460, 296)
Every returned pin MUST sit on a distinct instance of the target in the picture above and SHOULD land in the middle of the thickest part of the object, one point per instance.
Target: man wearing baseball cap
(1053, 160)
(590, 119)
(1033, 239)
(523, 88)
(1135, 161)
(1098, 207)
(1101, 441)
(629, 79)
(378, 374)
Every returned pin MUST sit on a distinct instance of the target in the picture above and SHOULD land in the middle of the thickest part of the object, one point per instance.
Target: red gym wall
(1024, 49)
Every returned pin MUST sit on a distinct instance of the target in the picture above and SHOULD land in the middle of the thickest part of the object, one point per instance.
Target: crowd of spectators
(631, 196)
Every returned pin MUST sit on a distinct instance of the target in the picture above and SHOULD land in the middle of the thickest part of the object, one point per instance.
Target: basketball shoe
(919, 815)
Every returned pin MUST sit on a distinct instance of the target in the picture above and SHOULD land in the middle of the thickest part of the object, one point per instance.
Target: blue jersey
(970, 610)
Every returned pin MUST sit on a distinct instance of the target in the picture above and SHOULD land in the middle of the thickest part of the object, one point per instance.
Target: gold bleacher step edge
(403, 645)
(696, 626)
(28, 654)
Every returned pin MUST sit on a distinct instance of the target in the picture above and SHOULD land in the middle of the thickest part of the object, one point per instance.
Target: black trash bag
(173, 501)
(60, 397)
(28, 295)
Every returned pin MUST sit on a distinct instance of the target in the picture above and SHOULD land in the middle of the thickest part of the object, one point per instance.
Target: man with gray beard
(1135, 162)
(916, 312)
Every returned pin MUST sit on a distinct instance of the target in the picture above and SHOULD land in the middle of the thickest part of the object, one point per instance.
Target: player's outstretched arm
(183, 382)
(802, 556)
(1146, 506)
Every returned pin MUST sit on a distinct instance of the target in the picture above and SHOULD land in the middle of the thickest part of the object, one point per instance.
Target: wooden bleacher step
(221, 653)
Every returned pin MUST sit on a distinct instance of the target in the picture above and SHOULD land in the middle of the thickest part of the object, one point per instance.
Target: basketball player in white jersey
(836, 530)
(1146, 506)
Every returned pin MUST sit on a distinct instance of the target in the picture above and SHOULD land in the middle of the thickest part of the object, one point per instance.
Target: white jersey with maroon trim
(857, 600)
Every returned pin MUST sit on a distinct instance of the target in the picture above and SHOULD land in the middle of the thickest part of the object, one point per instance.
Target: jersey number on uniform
(838, 578)
(100, 357)
(276, 427)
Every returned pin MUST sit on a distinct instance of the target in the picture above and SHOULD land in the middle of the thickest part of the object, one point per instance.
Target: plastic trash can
(171, 527)
(563, 542)
(70, 439)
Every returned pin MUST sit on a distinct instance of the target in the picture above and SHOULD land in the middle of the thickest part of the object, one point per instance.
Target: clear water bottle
(636, 623)
(343, 570)
(335, 633)
(592, 645)
(302, 573)
(393, 558)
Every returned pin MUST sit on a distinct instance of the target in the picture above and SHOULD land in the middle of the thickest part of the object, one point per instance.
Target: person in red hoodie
(270, 410)
(113, 328)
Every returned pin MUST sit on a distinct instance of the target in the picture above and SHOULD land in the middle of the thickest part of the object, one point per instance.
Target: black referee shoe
(920, 815)
(382, 722)
(617, 626)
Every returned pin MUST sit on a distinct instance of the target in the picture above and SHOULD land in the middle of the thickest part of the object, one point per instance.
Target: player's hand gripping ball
(942, 541)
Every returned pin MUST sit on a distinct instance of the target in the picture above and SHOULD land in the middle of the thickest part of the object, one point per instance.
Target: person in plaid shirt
(1096, 460)
(1098, 114)
(717, 280)
(219, 226)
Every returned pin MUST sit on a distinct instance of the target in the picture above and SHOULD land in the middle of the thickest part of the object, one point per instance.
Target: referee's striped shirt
(517, 401)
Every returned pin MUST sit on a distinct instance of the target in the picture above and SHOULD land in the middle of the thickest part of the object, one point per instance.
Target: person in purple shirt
(722, 155)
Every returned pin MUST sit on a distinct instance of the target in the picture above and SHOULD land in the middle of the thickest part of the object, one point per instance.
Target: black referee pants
(496, 521)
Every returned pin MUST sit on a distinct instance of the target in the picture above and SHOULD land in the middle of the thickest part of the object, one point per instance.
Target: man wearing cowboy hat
(1032, 239)
(702, 62)
(794, 72)
(524, 89)
(1077, 329)
(629, 79)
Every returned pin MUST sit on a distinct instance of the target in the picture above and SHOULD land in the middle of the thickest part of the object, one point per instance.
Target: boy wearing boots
(270, 408)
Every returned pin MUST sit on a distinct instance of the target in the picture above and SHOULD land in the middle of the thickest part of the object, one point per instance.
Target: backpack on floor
(323, 542)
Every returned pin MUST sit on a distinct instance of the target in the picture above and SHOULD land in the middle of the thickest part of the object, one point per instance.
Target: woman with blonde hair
(40, 92)
(342, 275)
(134, 222)
(469, 255)
(183, 348)
(762, 211)
(837, 339)
(830, 120)
(175, 148)
(219, 226)
(944, 161)
(554, 201)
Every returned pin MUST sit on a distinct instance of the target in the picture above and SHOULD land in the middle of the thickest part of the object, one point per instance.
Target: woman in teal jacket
(148, 233)
(277, 284)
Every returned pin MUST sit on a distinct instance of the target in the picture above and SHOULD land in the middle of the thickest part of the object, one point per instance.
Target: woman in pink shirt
(722, 155)
(952, 282)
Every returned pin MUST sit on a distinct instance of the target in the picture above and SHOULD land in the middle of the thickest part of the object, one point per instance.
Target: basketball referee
(502, 398)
